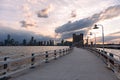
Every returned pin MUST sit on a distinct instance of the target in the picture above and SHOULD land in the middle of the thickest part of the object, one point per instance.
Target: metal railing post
(60, 53)
(32, 60)
(66, 51)
(46, 57)
(5, 65)
(63, 52)
(108, 63)
(55, 55)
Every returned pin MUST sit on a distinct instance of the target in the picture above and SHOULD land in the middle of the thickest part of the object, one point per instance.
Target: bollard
(60, 53)
(32, 61)
(55, 55)
(46, 57)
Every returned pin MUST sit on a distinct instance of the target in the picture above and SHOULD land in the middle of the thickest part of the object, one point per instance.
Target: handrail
(9, 67)
(111, 60)
(111, 53)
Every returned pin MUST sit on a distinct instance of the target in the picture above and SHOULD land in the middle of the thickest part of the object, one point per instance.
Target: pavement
(78, 65)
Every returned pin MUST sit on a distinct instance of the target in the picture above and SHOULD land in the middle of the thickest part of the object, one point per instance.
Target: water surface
(26, 50)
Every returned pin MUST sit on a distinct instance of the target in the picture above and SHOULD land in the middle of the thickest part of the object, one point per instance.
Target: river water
(26, 50)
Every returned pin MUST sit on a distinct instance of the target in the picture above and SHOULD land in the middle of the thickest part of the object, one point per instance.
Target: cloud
(32, 1)
(115, 33)
(45, 12)
(19, 35)
(113, 37)
(26, 10)
(73, 14)
(108, 13)
(29, 20)
(35, 1)
(27, 24)
(70, 26)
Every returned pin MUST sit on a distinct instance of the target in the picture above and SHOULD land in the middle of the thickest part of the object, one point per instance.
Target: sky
(59, 19)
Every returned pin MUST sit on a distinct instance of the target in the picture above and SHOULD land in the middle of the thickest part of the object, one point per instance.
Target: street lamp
(96, 27)
(88, 40)
(94, 37)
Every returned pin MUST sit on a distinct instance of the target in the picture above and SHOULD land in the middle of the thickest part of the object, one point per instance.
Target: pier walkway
(78, 65)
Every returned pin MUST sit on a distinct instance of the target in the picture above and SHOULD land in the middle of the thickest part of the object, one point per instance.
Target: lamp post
(94, 37)
(87, 41)
(96, 27)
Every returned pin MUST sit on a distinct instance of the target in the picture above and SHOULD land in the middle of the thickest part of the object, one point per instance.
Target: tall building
(78, 40)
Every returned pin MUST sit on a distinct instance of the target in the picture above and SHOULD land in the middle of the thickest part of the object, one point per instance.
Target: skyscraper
(78, 40)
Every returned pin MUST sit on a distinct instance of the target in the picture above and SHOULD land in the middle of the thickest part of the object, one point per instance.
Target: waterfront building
(78, 40)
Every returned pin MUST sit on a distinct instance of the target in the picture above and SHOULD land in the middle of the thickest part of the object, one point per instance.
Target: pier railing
(111, 60)
(9, 66)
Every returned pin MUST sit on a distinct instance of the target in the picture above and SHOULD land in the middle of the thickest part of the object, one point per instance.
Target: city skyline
(45, 19)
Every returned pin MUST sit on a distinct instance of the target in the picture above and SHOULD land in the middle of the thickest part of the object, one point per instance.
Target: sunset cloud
(73, 14)
(109, 13)
(86, 22)
(45, 12)
(35, 1)
(29, 20)
(113, 37)
(28, 24)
